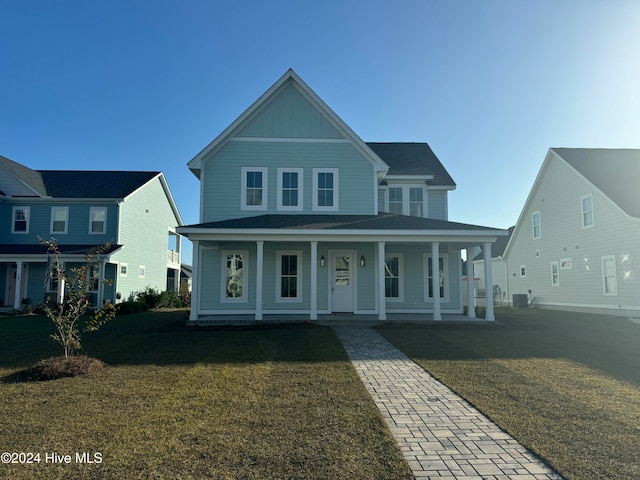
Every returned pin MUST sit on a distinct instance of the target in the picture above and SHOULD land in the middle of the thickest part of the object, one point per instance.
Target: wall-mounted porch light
(362, 262)
(322, 261)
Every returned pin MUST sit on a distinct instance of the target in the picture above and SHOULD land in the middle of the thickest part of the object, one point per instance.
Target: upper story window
(395, 200)
(20, 222)
(587, 211)
(325, 189)
(59, 219)
(98, 220)
(535, 224)
(406, 200)
(416, 201)
(254, 188)
(290, 181)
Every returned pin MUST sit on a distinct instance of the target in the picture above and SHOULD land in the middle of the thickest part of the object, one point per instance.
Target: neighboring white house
(300, 218)
(500, 290)
(576, 244)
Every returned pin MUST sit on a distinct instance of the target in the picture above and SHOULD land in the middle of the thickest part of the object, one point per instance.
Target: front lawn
(174, 403)
(565, 385)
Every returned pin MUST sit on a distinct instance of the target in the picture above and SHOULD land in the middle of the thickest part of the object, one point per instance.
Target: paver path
(441, 435)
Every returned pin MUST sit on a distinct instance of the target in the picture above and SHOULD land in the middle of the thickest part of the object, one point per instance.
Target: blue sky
(490, 85)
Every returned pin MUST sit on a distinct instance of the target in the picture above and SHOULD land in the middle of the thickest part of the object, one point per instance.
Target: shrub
(169, 299)
(131, 306)
(59, 367)
(149, 295)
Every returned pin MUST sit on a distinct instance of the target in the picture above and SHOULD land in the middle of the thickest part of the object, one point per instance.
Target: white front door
(342, 281)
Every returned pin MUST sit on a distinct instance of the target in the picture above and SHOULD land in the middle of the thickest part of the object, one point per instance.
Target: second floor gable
(290, 153)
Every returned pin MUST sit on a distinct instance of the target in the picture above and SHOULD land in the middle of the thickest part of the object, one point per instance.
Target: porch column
(18, 292)
(314, 281)
(259, 261)
(435, 279)
(195, 282)
(488, 283)
(471, 309)
(382, 307)
(61, 285)
(101, 275)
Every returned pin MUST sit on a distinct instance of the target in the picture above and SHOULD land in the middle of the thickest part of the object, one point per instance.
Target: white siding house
(576, 244)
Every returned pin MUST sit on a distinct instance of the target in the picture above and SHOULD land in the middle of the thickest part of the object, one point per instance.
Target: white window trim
(142, 271)
(300, 173)
(265, 190)
(615, 276)
(400, 297)
(445, 266)
(126, 266)
(533, 225)
(406, 198)
(245, 276)
(555, 276)
(13, 219)
(582, 210)
(523, 268)
(104, 225)
(66, 220)
(279, 298)
(336, 190)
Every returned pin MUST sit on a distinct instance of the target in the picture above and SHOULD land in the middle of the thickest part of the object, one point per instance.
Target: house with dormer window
(300, 218)
(133, 211)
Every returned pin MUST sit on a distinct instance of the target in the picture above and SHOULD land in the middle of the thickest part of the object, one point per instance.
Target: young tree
(65, 312)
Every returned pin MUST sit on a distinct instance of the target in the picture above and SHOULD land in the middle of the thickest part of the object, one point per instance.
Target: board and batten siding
(577, 250)
(222, 178)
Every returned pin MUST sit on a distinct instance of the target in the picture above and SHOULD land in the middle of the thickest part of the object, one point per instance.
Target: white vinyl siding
(59, 220)
(587, 211)
(609, 278)
(254, 188)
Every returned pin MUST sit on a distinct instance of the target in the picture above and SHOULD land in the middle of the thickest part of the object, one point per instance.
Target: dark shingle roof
(498, 248)
(28, 176)
(616, 172)
(383, 221)
(93, 183)
(37, 249)
(412, 159)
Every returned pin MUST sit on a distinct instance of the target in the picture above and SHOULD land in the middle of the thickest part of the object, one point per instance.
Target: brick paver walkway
(440, 434)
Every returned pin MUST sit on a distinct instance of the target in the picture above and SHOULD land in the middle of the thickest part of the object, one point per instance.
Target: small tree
(65, 314)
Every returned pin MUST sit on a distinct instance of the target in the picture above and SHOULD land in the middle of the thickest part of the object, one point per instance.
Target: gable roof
(289, 77)
(405, 158)
(93, 183)
(29, 180)
(615, 172)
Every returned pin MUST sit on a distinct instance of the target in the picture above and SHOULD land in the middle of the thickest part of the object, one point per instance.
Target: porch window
(289, 274)
(234, 275)
(555, 274)
(254, 188)
(395, 200)
(325, 189)
(94, 277)
(393, 285)
(609, 279)
(290, 181)
(98, 220)
(587, 211)
(443, 278)
(59, 219)
(20, 220)
(535, 224)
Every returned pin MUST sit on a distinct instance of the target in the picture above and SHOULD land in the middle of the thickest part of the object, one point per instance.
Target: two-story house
(300, 218)
(576, 244)
(133, 211)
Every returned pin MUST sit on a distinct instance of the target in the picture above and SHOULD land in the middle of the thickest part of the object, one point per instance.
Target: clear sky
(491, 85)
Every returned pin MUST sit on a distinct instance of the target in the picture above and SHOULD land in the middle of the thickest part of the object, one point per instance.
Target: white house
(576, 244)
(300, 218)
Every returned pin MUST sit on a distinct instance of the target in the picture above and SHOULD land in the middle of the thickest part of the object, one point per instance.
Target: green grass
(565, 385)
(174, 403)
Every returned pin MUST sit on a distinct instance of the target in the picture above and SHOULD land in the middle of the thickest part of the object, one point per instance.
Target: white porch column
(314, 281)
(435, 279)
(382, 307)
(195, 282)
(18, 292)
(101, 275)
(61, 285)
(259, 268)
(488, 282)
(471, 310)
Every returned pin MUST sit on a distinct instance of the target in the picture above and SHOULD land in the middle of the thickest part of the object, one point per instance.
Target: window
(94, 277)
(523, 271)
(59, 219)
(289, 276)
(442, 275)
(290, 182)
(234, 273)
(98, 220)
(587, 211)
(20, 220)
(142, 271)
(416, 202)
(395, 200)
(254, 188)
(555, 274)
(325, 189)
(123, 269)
(535, 223)
(393, 285)
(609, 280)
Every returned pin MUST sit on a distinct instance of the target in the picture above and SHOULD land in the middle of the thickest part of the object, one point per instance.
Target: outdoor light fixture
(362, 263)
(322, 261)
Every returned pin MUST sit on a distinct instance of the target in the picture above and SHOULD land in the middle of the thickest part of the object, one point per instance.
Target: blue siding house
(300, 218)
(134, 211)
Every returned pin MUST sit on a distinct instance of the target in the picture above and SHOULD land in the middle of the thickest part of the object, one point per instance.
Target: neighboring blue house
(300, 217)
(134, 211)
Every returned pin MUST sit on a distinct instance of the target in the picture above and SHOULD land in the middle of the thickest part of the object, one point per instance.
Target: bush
(59, 367)
(169, 299)
(149, 295)
(131, 306)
